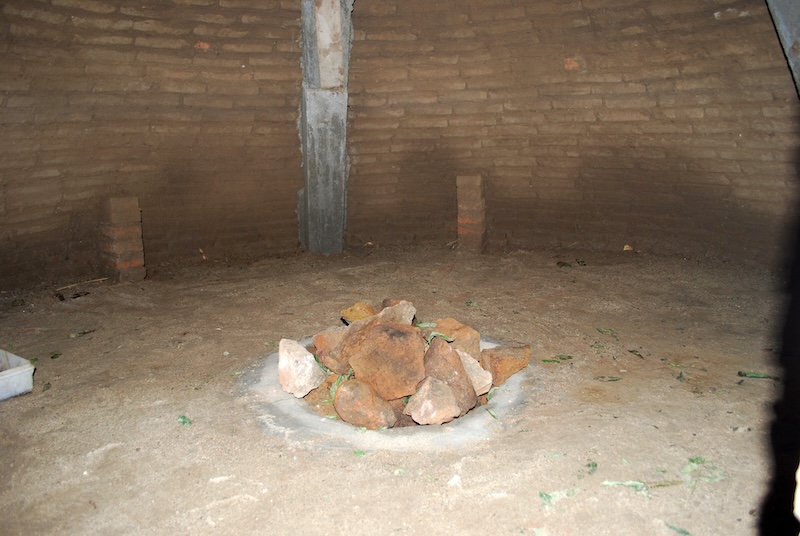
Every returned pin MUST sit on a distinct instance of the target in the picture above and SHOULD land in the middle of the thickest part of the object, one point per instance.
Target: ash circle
(282, 414)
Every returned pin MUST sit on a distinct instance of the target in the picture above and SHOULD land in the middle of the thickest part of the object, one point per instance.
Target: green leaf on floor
(608, 331)
(679, 530)
(760, 375)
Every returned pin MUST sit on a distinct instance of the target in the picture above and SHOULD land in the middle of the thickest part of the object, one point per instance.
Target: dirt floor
(646, 429)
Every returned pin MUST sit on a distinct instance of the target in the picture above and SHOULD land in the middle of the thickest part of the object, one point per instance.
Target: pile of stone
(385, 369)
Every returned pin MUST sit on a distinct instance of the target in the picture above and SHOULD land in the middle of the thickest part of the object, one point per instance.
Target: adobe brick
(121, 210)
(35, 14)
(101, 23)
(261, 47)
(105, 55)
(204, 30)
(622, 115)
(36, 32)
(206, 101)
(182, 86)
(94, 6)
(161, 42)
(111, 40)
(254, 4)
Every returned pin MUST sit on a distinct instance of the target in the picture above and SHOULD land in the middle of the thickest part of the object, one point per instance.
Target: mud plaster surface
(97, 447)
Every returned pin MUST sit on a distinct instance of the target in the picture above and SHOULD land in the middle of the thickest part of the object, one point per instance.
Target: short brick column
(121, 246)
(471, 212)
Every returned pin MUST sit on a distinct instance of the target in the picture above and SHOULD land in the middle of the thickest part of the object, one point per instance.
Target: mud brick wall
(189, 105)
(666, 125)
(670, 126)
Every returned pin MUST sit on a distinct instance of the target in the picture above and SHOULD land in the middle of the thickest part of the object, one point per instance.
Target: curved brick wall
(191, 105)
(665, 125)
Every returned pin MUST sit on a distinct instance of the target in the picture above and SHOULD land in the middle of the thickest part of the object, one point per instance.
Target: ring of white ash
(282, 414)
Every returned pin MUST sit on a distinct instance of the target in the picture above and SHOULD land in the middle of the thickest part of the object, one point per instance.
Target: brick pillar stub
(120, 239)
(471, 212)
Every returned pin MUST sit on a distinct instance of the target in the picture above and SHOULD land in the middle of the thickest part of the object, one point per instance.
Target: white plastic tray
(16, 375)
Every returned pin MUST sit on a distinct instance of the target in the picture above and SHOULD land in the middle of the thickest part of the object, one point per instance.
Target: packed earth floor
(632, 416)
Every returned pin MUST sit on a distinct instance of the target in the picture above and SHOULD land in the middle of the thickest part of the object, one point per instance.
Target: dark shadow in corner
(776, 517)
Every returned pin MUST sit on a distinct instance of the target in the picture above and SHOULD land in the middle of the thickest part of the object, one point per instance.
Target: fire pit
(389, 372)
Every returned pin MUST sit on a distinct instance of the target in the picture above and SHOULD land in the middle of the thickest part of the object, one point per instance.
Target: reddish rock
(298, 371)
(504, 361)
(329, 352)
(319, 399)
(358, 405)
(402, 312)
(358, 311)
(399, 405)
(388, 356)
(464, 337)
(481, 379)
(443, 363)
(433, 403)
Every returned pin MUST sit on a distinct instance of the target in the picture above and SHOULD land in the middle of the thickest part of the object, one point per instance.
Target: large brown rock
(388, 356)
(504, 361)
(464, 337)
(443, 363)
(433, 403)
(358, 405)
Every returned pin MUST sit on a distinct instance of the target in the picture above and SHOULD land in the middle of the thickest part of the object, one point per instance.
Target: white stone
(298, 371)
(481, 379)
(433, 403)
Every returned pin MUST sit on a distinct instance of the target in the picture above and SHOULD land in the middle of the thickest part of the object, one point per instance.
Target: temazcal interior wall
(669, 126)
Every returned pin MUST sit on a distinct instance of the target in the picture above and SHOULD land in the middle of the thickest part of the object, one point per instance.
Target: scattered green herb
(359, 453)
(183, 420)
(682, 532)
(55, 356)
(492, 413)
(437, 334)
(608, 331)
(761, 375)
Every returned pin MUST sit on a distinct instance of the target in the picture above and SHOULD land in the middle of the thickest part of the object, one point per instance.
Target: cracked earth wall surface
(677, 443)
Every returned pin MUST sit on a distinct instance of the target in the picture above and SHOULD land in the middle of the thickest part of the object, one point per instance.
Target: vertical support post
(786, 17)
(471, 212)
(121, 245)
(322, 203)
